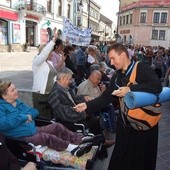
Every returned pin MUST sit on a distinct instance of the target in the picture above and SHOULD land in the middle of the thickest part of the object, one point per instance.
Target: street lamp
(88, 11)
(117, 30)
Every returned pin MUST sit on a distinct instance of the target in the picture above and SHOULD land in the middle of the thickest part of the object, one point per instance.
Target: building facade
(30, 22)
(106, 29)
(144, 22)
(87, 15)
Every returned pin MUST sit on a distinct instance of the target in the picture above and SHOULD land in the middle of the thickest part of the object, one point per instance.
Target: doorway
(30, 32)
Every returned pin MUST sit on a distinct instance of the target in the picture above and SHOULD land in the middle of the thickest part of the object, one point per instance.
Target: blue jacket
(13, 119)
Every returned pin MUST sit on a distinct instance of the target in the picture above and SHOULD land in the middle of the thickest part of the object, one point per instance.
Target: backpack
(143, 118)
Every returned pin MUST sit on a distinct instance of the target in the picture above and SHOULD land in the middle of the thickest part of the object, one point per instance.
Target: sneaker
(96, 140)
(82, 149)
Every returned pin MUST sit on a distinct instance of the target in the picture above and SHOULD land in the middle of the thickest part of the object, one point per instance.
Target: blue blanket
(141, 99)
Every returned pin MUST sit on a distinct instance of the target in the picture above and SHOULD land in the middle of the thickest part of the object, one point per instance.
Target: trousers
(55, 136)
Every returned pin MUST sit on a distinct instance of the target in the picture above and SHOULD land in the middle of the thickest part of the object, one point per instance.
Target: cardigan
(41, 69)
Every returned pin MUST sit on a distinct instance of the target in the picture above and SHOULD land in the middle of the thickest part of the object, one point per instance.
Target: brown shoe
(109, 143)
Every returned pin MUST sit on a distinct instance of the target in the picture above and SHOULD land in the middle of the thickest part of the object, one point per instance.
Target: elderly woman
(17, 120)
(43, 70)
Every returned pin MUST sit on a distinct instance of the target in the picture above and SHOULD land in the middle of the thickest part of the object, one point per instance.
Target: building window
(68, 11)
(162, 35)
(59, 8)
(127, 19)
(124, 19)
(120, 22)
(143, 17)
(156, 17)
(48, 5)
(164, 17)
(131, 18)
(3, 32)
(154, 34)
(158, 34)
(78, 21)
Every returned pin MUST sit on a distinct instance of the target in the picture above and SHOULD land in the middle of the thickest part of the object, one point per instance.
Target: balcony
(31, 6)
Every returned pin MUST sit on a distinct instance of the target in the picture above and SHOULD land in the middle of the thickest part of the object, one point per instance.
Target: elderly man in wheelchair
(17, 121)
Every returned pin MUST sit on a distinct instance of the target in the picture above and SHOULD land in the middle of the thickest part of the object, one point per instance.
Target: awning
(8, 15)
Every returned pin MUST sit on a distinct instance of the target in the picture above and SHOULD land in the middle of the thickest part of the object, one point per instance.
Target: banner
(77, 36)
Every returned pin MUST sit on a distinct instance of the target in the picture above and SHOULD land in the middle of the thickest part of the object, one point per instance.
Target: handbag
(143, 118)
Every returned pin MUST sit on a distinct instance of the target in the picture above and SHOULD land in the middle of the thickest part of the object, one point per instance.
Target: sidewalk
(16, 67)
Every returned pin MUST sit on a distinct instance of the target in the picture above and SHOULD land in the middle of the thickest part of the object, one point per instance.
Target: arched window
(68, 11)
(59, 8)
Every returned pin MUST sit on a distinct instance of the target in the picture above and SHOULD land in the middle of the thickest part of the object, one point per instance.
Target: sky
(109, 8)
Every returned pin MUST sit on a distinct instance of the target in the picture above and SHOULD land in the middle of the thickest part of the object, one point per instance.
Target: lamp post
(88, 10)
(117, 30)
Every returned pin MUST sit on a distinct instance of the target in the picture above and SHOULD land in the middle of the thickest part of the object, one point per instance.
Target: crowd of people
(79, 82)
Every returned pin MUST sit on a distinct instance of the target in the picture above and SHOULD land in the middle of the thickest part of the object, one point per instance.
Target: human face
(71, 52)
(95, 79)
(11, 94)
(67, 80)
(117, 60)
(61, 47)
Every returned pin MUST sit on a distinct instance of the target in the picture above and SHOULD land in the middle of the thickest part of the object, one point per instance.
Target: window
(143, 17)
(78, 21)
(164, 17)
(120, 22)
(48, 5)
(68, 11)
(59, 8)
(158, 34)
(156, 17)
(124, 20)
(3, 32)
(154, 34)
(127, 19)
(131, 18)
(162, 35)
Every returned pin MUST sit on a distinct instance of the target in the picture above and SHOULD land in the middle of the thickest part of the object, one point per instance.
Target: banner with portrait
(75, 35)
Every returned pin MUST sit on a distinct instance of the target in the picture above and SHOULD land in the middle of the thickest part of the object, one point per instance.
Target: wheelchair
(20, 147)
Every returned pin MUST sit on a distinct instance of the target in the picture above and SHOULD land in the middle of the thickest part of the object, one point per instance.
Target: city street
(16, 67)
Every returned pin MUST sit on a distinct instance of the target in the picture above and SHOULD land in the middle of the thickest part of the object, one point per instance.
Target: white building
(31, 21)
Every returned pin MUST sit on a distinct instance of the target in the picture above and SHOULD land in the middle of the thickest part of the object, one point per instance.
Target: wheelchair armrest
(83, 129)
(17, 140)
(42, 121)
(20, 147)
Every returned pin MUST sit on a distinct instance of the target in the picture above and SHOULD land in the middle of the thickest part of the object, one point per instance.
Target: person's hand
(63, 56)
(67, 41)
(102, 87)
(88, 98)
(29, 119)
(29, 166)
(80, 107)
(55, 34)
(121, 92)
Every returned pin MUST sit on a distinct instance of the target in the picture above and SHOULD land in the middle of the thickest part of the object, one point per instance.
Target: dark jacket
(69, 64)
(62, 106)
(147, 81)
(7, 160)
